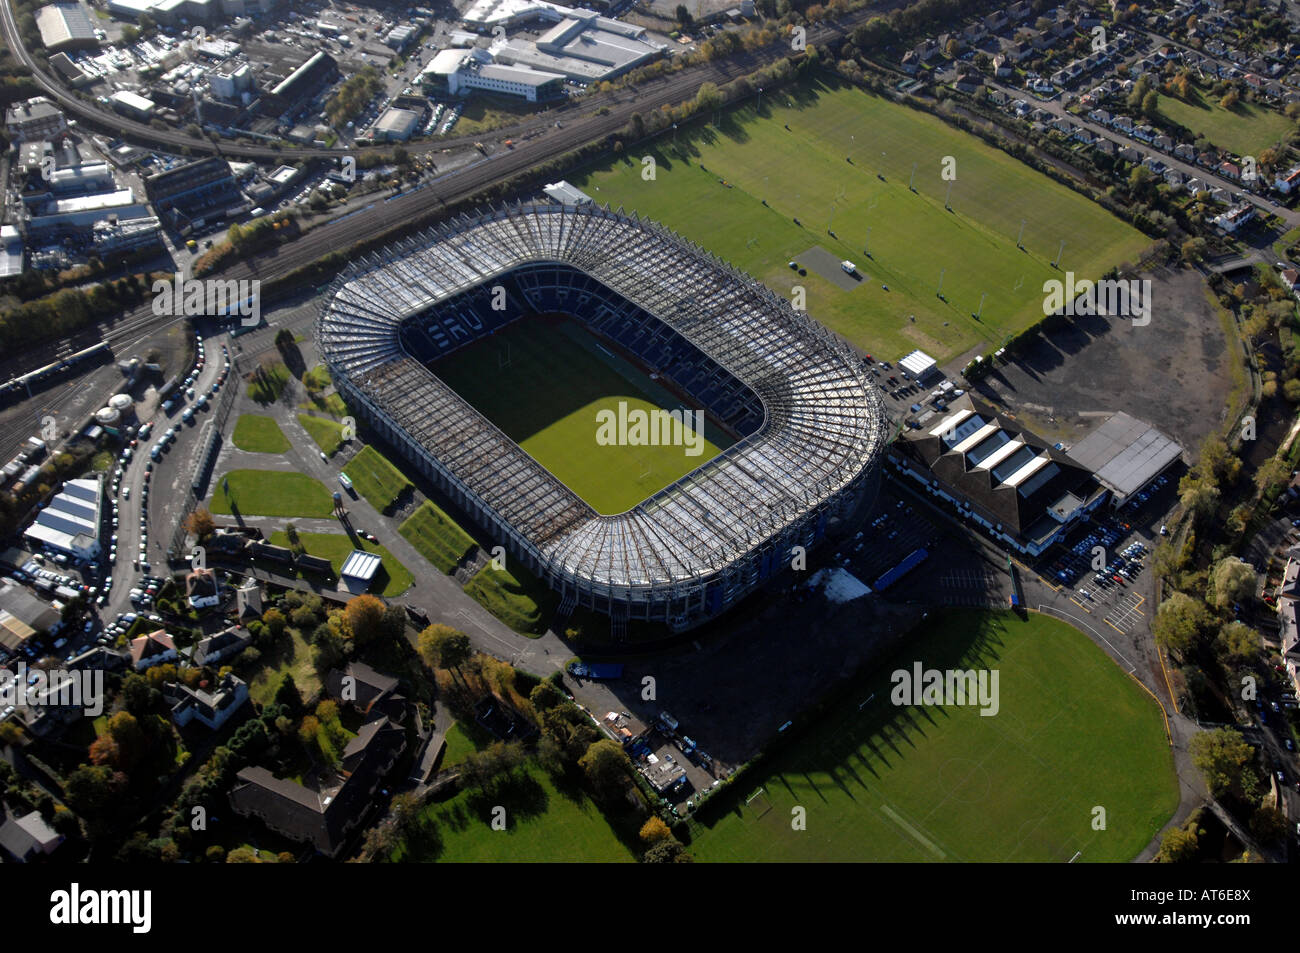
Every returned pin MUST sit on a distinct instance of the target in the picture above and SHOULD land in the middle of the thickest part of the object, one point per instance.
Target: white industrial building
(83, 211)
(70, 522)
(452, 72)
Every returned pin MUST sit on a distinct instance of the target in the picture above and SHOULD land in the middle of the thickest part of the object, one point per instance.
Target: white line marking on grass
(1075, 857)
(1073, 619)
(920, 838)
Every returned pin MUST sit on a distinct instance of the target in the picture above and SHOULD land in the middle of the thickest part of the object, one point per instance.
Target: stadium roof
(1126, 453)
(822, 434)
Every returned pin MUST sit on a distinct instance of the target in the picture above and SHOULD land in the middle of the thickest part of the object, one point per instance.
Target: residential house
(28, 837)
(202, 589)
(248, 600)
(209, 706)
(224, 645)
(1185, 151)
(1104, 146)
(152, 649)
(1002, 65)
(998, 97)
(910, 63)
(364, 688)
(926, 50)
(1287, 182)
(1230, 170)
(1235, 217)
(1163, 142)
(326, 816)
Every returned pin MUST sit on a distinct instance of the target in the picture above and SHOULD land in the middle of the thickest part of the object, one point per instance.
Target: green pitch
(715, 194)
(543, 381)
(903, 783)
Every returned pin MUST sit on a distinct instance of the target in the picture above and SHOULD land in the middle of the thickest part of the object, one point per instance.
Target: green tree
(605, 765)
(1179, 845)
(1179, 623)
(1222, 756)
(1238, 641)
(1231, 580)
(1268, 824)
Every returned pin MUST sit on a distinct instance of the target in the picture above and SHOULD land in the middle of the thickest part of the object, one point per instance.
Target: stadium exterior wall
(682, 603)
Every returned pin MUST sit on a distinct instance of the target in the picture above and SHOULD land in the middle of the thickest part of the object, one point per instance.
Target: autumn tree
(441, 646)
(363, 618)
(654, 830)
(200, 523)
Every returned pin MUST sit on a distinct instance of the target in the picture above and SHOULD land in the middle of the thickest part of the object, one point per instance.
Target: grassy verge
(328, 434)
(376, 478)
(437, 537)
(517, 598)
(258, 433)
(271, 493)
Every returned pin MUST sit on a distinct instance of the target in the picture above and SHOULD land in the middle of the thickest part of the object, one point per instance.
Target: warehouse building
(63, 216)
(396, 125)
(453, 72)
(66, 26)
(192, 188)
(302, 84)
(70, 522)
(1126, 454)
(132, 105)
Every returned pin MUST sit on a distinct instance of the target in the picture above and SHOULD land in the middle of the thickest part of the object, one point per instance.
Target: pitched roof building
(323, 818)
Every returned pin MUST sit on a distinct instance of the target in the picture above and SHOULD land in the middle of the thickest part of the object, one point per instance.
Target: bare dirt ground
(1174, 372)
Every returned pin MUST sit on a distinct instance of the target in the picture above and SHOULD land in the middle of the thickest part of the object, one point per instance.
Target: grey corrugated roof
(1126, 453)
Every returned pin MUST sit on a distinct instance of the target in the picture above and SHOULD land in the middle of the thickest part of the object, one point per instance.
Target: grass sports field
(542, 381)
(715, 194)
(885, 783)
(259, 434)
(1245, 129)
(271, 493)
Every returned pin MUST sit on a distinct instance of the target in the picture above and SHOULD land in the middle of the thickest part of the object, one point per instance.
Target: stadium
(804, 429)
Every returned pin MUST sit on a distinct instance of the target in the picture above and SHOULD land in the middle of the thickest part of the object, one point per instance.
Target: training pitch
(844, 166)
(879, 782)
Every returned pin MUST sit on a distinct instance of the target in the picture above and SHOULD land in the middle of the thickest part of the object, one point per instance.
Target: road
(1189, 169)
